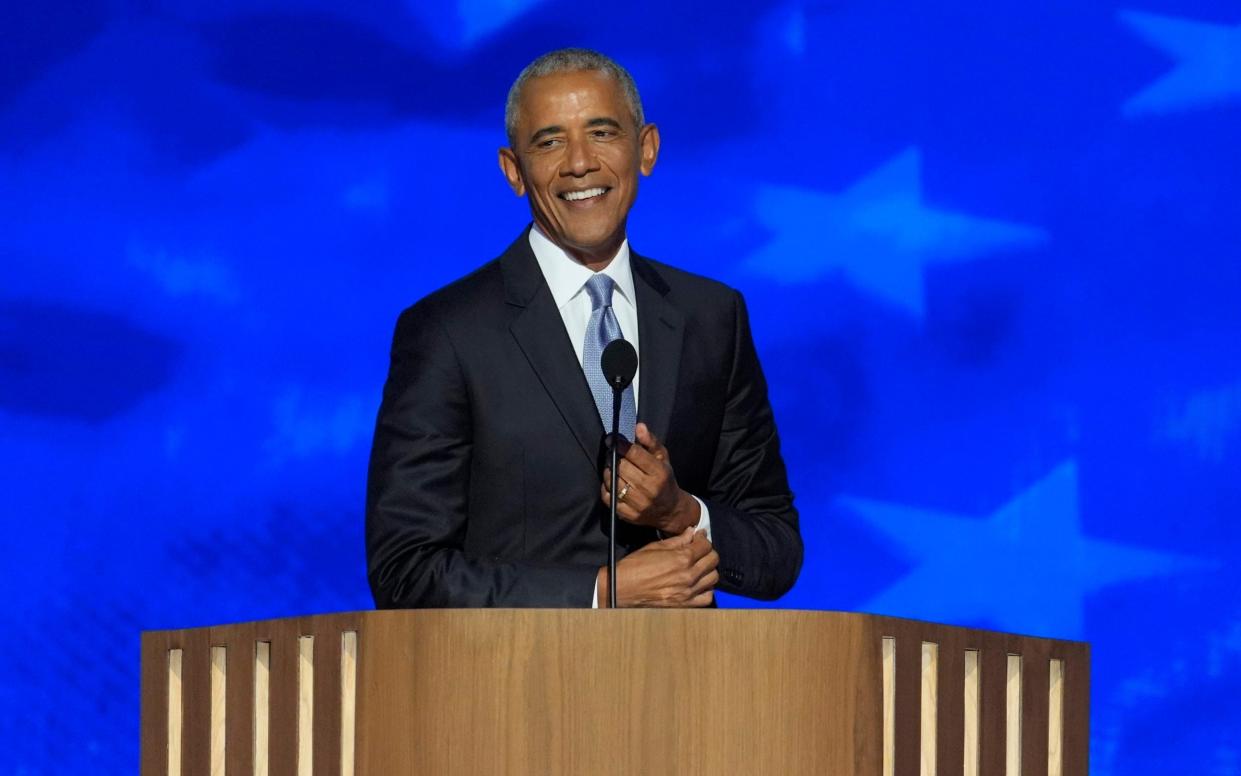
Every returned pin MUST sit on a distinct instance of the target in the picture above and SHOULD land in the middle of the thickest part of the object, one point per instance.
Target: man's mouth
(578, 196)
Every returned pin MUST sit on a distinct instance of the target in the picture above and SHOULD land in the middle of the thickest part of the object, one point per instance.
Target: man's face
(576, 155)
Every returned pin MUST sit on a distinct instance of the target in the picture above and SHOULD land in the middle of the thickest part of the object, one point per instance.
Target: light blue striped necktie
(602, 329)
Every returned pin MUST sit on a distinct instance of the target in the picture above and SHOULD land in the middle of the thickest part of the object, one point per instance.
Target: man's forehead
(571, 89)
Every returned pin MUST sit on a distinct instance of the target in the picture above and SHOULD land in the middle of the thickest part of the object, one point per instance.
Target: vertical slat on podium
(327, 696)
(993, 666)
(888, 690)
(175, 708)
(282, 688)
(154, 704)
(950, 749)
(260, 700)
(306, 704)
(219, 708)
(349, 700)
(1077, 711)
(1055, 719)
(970, 754)
(196, 690)
(1034, 683)
(928, 728)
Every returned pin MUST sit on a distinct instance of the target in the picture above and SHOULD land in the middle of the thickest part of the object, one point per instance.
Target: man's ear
(512, 171)
(648, 148)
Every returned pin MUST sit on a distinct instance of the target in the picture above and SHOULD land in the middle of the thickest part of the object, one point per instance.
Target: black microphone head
(619, 363)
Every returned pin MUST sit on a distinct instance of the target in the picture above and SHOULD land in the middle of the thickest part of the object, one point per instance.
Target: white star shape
(878, 233)
(1208, 69)
(1026, 568)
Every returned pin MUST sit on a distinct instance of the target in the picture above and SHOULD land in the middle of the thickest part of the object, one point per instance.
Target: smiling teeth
(574, 196)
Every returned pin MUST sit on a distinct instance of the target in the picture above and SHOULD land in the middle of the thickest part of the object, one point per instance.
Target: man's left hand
(649, 494)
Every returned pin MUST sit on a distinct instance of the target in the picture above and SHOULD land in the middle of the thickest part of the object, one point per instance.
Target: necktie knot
(600, 289)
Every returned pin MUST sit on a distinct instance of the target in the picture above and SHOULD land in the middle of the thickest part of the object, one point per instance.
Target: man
(487, 485)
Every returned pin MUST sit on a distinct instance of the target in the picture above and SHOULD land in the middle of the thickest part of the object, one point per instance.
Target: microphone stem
(616, 405)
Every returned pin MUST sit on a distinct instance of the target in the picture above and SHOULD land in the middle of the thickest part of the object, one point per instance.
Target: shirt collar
(566, 276)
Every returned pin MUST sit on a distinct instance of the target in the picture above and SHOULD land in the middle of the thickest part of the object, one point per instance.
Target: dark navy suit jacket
(486, 464)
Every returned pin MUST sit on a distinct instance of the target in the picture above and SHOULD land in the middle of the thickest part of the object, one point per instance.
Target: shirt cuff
(704, 517)
(594, 597)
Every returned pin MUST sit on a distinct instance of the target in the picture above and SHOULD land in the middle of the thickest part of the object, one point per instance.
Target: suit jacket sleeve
(418, 491)
(754, 525)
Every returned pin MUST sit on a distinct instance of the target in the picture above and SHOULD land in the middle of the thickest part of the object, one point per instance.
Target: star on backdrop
(1208, 69)
(879, 233)
(1026, 568)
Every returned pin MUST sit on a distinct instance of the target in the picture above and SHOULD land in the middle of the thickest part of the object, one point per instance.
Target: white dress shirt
(566, 278)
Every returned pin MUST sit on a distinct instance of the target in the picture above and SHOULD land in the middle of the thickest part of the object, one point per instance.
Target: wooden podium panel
(509, 691)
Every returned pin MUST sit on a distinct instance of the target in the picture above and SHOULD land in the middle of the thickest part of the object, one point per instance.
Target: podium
(648, 692)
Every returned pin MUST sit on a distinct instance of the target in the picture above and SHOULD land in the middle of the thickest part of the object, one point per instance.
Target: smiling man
(487, 485)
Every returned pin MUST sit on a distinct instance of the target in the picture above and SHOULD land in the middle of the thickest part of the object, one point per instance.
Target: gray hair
(570, 60)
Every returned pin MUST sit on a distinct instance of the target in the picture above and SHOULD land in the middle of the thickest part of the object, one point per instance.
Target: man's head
(577, 142)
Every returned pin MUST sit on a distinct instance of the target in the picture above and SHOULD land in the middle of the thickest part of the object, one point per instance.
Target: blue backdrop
(992, 252)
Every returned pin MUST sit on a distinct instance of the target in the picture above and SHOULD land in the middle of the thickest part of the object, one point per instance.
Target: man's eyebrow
(552, 130)
(604, 121)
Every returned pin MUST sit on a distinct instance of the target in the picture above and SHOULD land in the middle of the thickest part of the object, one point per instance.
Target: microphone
(619, 364)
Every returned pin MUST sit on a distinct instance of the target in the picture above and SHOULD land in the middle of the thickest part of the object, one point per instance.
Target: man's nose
(580, 158)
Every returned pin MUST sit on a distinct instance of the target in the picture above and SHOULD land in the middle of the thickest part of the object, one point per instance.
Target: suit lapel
(661, 329)
(539, 331)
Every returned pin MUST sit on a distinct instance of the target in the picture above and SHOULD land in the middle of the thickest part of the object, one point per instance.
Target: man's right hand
(677, 571)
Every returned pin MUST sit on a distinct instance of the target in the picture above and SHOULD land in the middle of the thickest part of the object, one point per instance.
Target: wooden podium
(445, 692)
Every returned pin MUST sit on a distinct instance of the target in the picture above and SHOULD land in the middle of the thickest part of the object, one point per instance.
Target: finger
(652, 443)
(700, 547)
(631, 493)
(624, 482)
(644, 459)
(646, 437)
(704, 565)
(628, 512)
(624, 510)
(707, 582)
(637, 478)
(702, 600)
(622, 444)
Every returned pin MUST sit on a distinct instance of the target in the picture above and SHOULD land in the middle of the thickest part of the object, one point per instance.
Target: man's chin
(592, 243)
(596, 249)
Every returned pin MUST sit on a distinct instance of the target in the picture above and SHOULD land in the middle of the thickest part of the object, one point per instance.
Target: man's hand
(649, 494)
(677, 571)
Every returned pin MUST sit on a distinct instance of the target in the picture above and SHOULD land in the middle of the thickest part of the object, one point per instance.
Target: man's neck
(596, 260)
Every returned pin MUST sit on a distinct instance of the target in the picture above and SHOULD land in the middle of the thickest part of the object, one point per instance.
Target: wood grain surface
(611, 692)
